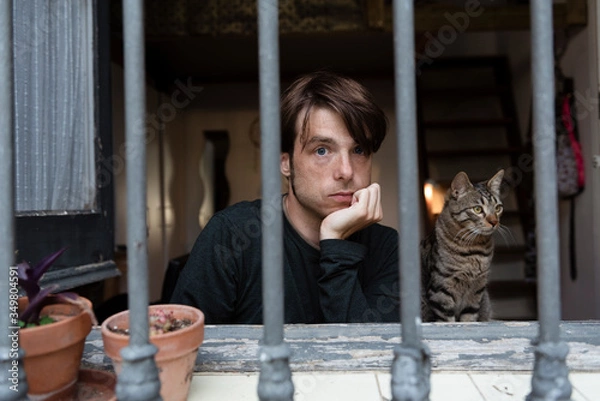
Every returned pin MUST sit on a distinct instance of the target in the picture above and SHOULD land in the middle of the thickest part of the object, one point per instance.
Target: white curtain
(54, 105)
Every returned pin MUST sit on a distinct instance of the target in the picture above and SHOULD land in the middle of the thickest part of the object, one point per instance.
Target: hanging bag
(569, 163)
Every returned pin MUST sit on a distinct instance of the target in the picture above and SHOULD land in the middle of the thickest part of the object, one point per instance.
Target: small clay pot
(53, 351)
(177, 350)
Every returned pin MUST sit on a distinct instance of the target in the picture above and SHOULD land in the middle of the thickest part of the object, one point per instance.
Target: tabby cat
(456, 256)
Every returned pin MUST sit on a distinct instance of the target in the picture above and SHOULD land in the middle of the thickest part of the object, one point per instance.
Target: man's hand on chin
(364, 211)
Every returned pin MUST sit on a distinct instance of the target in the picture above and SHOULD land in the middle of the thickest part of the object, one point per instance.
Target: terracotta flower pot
(53, 351)
(177, 350)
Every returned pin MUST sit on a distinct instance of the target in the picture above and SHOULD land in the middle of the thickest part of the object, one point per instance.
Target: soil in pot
(159, 322)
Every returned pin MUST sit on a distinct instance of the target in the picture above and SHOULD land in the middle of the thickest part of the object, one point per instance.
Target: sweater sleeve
(351, 290)
(208, 281)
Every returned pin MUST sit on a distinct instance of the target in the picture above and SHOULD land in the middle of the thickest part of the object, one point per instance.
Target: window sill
(462, 347)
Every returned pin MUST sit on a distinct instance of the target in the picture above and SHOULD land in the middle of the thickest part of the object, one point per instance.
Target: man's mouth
(342, 197)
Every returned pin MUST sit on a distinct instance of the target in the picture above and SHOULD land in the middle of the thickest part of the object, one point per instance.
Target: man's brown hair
(365, 121)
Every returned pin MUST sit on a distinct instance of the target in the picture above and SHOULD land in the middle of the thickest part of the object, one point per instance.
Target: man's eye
(321, 151)
(358, 150)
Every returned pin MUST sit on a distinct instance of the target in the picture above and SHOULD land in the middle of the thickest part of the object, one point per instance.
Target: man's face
(327, 167)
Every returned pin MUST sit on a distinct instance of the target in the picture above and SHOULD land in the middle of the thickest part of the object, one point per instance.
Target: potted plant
(52, 333)
(176, 330)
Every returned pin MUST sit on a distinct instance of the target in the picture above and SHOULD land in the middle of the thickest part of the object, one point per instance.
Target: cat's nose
(492, 220)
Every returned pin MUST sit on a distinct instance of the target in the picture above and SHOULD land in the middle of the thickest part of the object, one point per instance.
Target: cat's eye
(498, 208)
(477, 209)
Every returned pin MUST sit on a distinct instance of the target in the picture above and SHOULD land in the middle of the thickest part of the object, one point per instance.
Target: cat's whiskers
(476, 233)
(470, 234)
(463, 233)
(506, 234)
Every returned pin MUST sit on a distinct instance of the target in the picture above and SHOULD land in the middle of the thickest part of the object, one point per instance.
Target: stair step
(470, 123)
(509, 249)
(475, 152)
(446, 63)
(465, 91)
(444, 184)
(511, 214)
(510, 288)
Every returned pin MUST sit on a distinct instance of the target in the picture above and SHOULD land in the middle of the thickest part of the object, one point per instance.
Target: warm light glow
(434, 197)
(428, 192)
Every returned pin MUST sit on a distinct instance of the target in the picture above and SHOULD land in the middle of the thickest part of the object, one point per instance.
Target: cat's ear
(495, 182)
(460, 185)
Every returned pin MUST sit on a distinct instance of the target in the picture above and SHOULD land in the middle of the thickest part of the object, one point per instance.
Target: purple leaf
(29, 278)
(31, 314)
(45, 263)
(30, 286)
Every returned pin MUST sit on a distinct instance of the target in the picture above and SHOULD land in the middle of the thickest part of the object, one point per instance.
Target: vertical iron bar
(550, 377)
(407, 170)
(545, 169)
(275, 381)
(411, 367)
(272, 244)
(138, 379)
(12, 375)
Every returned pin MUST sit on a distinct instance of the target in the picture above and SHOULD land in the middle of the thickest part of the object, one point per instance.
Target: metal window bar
(275, 380)
(138, 379)
(550, 376)
(12, 375)
(411, 368)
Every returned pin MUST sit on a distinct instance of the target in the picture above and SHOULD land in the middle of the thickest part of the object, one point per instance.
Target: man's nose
(344, 169)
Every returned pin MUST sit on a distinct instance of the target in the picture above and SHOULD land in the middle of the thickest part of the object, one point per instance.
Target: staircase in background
(468, 122)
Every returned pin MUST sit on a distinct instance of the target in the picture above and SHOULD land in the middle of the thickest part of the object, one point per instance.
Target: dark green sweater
(353, 280)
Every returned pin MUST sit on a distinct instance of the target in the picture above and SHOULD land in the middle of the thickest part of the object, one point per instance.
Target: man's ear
(284, 164)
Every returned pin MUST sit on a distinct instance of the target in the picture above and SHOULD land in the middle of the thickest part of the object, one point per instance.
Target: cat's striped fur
(456, 256)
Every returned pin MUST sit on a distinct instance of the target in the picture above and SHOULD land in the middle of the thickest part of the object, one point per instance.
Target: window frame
(88, 235)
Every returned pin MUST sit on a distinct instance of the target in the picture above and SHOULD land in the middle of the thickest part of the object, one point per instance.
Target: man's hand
(364, 211)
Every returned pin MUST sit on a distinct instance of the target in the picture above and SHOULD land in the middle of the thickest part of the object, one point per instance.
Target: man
(340, 265)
